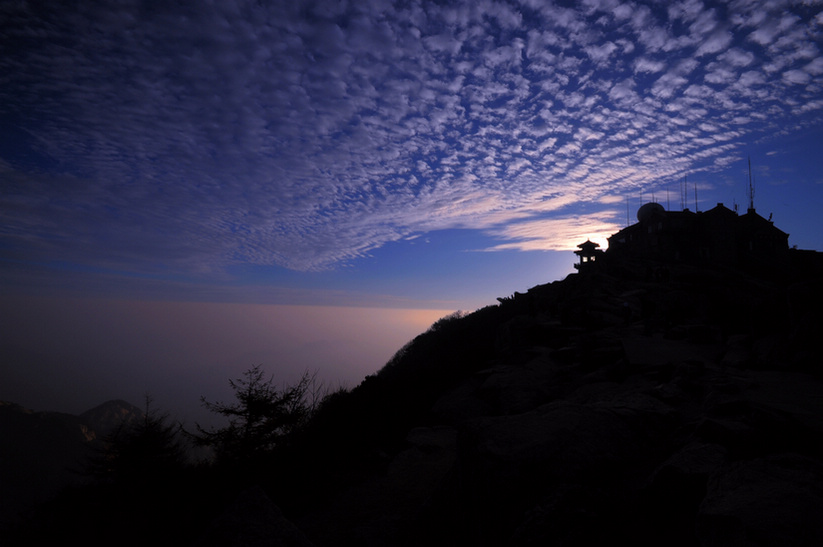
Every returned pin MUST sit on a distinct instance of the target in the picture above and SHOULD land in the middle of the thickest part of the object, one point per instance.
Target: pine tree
(141, 450)
(263, 417)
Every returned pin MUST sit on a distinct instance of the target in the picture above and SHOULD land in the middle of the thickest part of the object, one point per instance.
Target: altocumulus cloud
(152, 135)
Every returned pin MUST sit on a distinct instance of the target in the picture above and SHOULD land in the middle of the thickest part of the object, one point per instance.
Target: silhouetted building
(588, 254)
(717, 236)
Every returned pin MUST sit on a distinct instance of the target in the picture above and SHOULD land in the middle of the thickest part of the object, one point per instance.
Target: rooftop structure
(717, 236)
(588, 254)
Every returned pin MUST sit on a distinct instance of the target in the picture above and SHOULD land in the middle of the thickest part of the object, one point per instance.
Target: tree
(141, 450)
(262, 418)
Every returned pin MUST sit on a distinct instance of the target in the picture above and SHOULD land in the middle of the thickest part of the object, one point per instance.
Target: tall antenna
(627, 210)
(695, 198)
(750, 193)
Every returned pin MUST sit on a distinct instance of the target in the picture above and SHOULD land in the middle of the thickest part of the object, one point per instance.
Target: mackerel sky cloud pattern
(152, 136)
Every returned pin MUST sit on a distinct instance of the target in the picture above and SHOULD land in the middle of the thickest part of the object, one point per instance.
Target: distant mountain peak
(104, 418)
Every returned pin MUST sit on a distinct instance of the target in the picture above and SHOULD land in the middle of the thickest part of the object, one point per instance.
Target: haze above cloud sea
(398, 155)
(71, 354)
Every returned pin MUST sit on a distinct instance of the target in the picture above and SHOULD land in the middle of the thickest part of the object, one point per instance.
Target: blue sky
(403, 155)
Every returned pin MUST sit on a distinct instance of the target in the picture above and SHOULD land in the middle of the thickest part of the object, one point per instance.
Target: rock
(461, 403)
(253, 521)
(510, 463)
(776, 500)
(558, 440)
(748, 428)
(517, 389)
(737, 352)
(388, 509)
(657, 351)
(573, 515)
(675, 491)
(795, 394)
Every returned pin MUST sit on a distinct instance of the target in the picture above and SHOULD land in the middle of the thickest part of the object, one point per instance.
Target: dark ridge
(659, 396)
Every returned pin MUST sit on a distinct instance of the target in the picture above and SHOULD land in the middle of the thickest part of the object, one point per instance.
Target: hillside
(602, 408)
(624, 405)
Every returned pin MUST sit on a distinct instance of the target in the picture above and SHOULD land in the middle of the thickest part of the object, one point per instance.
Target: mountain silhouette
(643, 400)
(105, 418)
(610, 407)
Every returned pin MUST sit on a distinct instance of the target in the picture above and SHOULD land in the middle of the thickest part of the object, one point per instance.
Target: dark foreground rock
(252, 520)
(610, 411)
(605, 463)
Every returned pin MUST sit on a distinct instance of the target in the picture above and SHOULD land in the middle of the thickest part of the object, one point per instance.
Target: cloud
(600, 53)
(191, 140)
(718, 41)
(556, 234)
(644, 64)
(668, 84)
(796, 77)
(815, 67)
(737, 57)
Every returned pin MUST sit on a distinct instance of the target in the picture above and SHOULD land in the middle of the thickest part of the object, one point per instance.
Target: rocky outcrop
(252, 520)
(615, 411)
(400, 506)
(770, 500)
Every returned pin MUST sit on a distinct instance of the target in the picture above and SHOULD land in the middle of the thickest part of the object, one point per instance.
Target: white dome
(646, 211)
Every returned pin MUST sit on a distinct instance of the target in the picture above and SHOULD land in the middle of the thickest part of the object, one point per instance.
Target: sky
(183, 184)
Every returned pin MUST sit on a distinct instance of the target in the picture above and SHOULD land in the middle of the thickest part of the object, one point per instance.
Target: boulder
(510, 463)
(571, 516)
(396, 507)
(517, 389)
(775, 500)
(253, 520)
(676, 488)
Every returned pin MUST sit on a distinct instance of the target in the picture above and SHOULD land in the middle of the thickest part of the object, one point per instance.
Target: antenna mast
(627, 211)
(751, 186)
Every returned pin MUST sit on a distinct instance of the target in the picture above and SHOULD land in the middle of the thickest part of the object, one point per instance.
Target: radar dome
(646, 211)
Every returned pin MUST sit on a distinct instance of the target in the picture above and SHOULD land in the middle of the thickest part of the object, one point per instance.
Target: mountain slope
(597, 409)
(628, 406)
